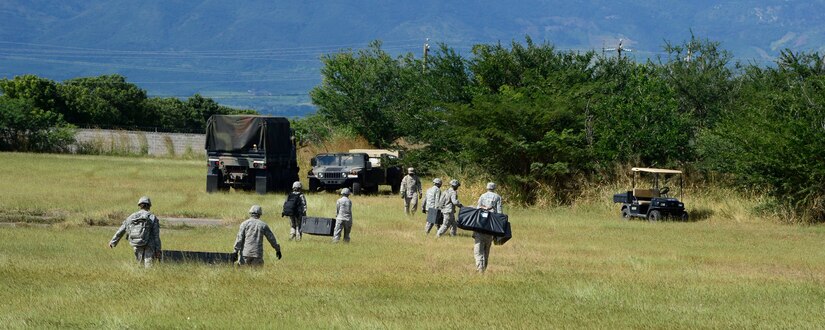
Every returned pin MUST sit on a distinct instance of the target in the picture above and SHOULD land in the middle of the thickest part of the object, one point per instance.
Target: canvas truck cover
(229, 133)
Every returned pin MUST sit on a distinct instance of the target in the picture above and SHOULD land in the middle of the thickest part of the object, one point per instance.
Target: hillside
(265, 54)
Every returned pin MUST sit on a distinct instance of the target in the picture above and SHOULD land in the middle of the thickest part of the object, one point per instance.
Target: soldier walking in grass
(491, 202)
(249, 243)
(432, 202)
(343, 217)
(410, 191)
(295, 207)
(449, 204)
(142, 230)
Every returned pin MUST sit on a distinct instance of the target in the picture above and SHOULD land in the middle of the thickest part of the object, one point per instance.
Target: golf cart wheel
(625, 214)
(685, 216)
(654, 215)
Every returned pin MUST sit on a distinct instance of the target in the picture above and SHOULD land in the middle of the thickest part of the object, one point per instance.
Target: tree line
(527, 114)
(531, 115)
(38, 114)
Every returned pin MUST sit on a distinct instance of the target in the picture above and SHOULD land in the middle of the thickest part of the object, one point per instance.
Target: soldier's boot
(291, 233)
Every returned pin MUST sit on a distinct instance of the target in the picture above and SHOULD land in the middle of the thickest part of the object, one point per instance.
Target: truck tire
(396, 188)
(626, 213)
(654, 215)
(356, 188)
(313, 185)
(685, 216)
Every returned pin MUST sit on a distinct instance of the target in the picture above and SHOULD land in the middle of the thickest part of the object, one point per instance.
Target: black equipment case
(485, 222)
(435, 217)
(317, 226)
(195, 256)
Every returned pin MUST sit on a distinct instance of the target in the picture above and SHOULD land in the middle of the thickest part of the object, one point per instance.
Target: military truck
(361, 170)
(249, 152)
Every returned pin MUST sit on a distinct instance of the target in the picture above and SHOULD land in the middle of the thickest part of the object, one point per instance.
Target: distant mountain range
(264, 54)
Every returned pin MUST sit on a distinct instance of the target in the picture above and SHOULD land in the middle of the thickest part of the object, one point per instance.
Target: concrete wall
(152, 143)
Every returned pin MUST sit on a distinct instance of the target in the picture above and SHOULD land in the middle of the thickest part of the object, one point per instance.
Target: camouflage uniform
(492, 202)
(343, 217)
(249, 242)
(449, 203)
(295, 219)
(145, 254)
(432, 200)
(410, 192)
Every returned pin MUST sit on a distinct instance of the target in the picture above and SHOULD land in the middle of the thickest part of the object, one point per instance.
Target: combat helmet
(145, 200)
(256, 210)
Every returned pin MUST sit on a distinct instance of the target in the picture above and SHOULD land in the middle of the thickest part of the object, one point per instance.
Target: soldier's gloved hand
(278, 254)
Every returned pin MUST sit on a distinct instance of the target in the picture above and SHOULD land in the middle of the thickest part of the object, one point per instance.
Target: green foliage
(108, 100)
(775, 136)
(24, 127)
(637, 118)
(363, 90)
(111, 101)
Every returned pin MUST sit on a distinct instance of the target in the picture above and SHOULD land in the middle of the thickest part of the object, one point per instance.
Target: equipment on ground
(652, 203)
(250, 152)
(362, 170)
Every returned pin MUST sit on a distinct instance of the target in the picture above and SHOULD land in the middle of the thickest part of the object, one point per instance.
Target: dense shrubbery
(37, 112)
(532, 116)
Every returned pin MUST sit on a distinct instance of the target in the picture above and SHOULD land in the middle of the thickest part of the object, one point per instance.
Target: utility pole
(426, 51)
(619, 49)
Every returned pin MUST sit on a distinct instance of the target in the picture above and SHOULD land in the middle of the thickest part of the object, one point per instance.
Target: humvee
(651, 203)
(361, 170)
(250, 152)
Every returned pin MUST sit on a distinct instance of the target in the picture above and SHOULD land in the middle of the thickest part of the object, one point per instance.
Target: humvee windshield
(340, 160)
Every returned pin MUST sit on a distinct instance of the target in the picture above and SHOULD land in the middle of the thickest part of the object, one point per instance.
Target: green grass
(577, 267)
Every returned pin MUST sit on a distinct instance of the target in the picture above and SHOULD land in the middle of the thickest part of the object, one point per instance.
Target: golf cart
(654, 203)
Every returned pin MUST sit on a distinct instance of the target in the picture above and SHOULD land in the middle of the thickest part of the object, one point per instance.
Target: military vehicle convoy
(250, 152)
(361, 170)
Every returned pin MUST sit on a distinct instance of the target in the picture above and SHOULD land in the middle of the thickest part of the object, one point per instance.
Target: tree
(774, 137)
(106, 100)
(24, 127)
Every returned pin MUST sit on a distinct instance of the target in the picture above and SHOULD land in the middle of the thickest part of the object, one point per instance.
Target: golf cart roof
(375, 152)
(655, 170)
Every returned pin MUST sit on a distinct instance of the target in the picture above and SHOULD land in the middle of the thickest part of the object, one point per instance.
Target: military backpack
(292, 205)
(139, 230)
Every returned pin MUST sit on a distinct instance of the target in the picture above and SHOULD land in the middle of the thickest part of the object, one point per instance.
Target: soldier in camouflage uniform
(343, 217)
(295, 219)
(142, 229)
(432, 200)
(249, 242)
(410, 191)
(489, 201)
(449, 204)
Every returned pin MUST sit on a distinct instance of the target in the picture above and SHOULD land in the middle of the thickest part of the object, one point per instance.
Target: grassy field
(577, 267)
